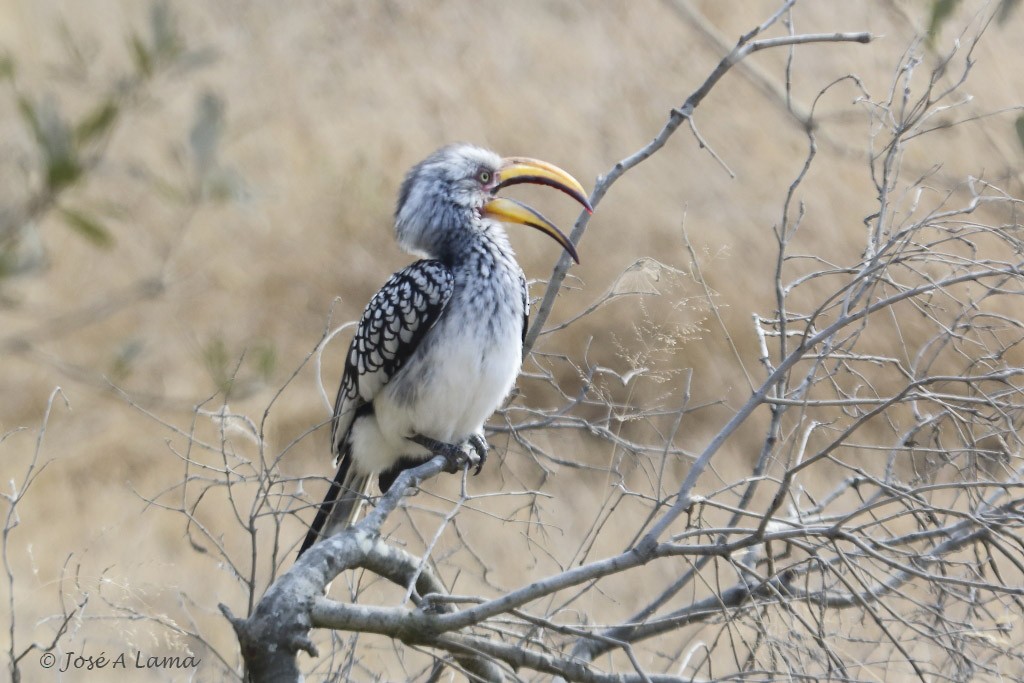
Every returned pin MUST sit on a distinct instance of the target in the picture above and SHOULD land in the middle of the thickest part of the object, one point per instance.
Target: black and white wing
(526, 307)
(392, 326)
(394, 322)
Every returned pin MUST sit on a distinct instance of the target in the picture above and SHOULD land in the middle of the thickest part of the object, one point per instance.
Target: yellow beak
(517, 170)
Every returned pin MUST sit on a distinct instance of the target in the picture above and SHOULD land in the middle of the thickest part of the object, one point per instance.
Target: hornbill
(440, 345)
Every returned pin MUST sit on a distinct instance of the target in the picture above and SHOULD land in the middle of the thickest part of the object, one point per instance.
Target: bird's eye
(484, 176)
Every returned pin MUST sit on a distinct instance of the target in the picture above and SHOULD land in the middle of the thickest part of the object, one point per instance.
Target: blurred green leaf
(88, 227)
(216, 359)
(195, 59)
(167, 189)
(167, 41)
(61, 172)
(78, 51)
(205, 134)
(220, 186)
(8, 67)
(266, 359)
(97, 122)
(6, 263)
(28, 114)
(54, 140)
(22, 252)
(1006, 8)
(941, 10)
(140, 55)
(123, 363)
(1019, 125)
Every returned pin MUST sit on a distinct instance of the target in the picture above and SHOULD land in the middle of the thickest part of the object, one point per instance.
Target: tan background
(326, 105)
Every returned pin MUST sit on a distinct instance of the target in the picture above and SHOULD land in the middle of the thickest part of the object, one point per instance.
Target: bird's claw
(472, 452)
(460, 457)
(457, 457)
(480, 446)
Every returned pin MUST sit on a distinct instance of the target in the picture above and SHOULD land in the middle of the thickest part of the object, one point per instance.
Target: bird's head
(454, 190)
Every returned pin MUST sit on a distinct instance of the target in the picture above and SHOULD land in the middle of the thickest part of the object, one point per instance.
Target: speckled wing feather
(526, 308)
(390, 331)
(392, 326)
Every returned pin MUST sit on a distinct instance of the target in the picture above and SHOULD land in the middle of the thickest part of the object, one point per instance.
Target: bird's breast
(466, 365)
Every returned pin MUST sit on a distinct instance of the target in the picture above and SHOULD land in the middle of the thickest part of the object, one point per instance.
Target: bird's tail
(341, 505)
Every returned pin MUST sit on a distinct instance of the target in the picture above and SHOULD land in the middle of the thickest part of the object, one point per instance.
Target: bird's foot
(458, 457)
(481, 447)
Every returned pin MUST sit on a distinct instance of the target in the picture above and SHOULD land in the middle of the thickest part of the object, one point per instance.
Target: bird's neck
(486, 246)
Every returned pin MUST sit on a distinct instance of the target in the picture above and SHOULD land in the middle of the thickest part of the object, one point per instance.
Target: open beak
(516, 170)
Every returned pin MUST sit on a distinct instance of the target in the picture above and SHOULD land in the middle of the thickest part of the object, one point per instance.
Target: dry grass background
(326, 104)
